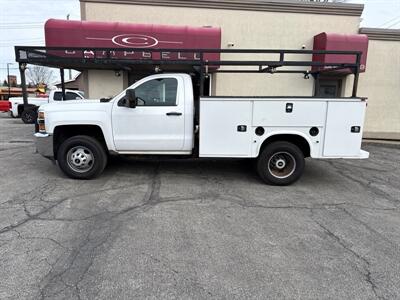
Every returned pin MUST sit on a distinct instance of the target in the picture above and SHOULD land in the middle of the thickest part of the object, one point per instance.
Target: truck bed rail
(199, 61)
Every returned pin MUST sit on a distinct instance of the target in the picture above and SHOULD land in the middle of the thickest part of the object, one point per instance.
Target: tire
(29, 116)
(280, 163)
(82, 157)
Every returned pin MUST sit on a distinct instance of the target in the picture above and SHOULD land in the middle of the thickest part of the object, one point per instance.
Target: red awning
(341, 42)
(62, 33)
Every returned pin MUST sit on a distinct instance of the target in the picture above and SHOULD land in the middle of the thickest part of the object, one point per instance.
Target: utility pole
(8, 79)
(69, 71)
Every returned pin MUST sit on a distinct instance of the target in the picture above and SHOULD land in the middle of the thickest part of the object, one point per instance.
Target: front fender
(96, 118)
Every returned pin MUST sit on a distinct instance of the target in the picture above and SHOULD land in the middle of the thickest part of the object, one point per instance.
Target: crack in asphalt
(85, 253)
(151, 198)
(73, 264)
(36, 216)
(369, 228)
(346, 172)
(77, 263)
(367, 274)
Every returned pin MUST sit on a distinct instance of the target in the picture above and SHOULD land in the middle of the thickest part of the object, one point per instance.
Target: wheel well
(297, 140)
(64, 132)
(21, 108)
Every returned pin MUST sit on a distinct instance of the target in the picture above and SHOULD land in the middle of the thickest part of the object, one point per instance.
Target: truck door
(157, 123)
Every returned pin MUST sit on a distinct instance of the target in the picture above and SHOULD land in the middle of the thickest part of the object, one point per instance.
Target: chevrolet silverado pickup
(157, 116)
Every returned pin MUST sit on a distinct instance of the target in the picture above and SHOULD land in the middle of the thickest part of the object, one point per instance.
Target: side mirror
(130, 97)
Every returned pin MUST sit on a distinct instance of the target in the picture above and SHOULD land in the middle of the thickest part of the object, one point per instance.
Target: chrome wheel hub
(80, 159)
(281, 165)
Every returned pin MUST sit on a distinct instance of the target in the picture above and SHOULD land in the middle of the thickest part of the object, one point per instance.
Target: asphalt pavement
(187, 229)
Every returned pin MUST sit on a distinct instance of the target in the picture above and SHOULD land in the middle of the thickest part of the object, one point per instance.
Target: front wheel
(82, 157)
(280, 163)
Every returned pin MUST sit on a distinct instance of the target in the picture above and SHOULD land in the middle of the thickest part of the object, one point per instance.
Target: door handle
(174, 113)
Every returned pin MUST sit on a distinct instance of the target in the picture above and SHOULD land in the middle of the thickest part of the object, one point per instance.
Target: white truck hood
(76, 105)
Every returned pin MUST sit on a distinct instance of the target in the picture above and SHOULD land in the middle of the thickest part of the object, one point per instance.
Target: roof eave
(289, 6)
(381, 33)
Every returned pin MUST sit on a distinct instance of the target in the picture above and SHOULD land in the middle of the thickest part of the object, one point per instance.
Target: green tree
(5, 83)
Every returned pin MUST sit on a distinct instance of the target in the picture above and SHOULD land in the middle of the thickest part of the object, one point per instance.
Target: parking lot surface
(191, 229)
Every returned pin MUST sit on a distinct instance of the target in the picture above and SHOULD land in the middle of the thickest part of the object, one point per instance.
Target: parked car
(157, 116)
(29, 115)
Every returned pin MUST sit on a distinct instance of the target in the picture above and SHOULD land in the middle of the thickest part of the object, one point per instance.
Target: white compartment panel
(305, 113)
(339, 140)
(219, 121)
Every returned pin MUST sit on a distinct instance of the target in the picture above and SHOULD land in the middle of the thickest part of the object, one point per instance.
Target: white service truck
(29, 115)
(157, 116)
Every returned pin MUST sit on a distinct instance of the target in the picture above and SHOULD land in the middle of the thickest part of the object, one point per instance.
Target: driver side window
(157, 92)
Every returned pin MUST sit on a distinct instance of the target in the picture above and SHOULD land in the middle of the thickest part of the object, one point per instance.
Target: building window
(329, 88)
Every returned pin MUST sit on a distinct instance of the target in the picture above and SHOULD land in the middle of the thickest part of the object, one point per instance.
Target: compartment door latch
(289, 108)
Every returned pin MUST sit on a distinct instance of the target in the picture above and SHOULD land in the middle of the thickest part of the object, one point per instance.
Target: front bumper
(44, 144)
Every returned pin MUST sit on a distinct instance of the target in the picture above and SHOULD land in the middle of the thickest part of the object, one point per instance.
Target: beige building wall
(243, 28)
(104, 83)
(381, 84)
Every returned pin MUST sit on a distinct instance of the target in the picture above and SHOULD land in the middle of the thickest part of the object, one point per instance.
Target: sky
(21, 22)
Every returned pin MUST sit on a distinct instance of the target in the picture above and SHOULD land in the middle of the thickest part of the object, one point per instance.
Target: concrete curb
(383, 143)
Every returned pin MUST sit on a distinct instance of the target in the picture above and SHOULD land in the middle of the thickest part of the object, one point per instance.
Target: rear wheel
(82, 157)
(280, 163)
(29, 116)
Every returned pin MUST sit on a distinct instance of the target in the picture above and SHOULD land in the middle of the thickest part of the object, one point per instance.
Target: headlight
(41, 122)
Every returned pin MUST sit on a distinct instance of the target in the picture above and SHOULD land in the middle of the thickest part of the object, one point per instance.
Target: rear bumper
(44, 144)
(361, 155)
(364, 154)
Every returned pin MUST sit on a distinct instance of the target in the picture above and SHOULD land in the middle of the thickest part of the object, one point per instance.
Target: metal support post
(22, 68)
(356, 75)
(62, 83)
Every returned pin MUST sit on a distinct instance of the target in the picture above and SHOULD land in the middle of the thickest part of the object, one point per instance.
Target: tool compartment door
(225, 128)
(289, 113)
(344, 127)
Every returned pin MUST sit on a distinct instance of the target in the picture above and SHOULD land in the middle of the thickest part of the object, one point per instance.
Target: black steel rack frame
(154, 61)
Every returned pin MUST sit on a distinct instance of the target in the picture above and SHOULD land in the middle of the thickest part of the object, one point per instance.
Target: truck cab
(158, 119)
